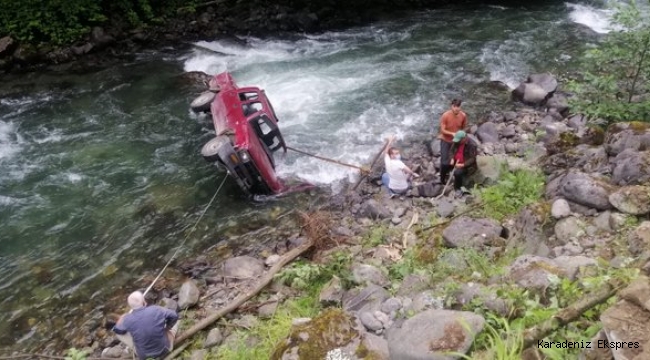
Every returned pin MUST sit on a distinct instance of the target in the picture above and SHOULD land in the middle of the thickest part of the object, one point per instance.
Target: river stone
(625, 321)
(364, 274)
(432, 333)
(586, 190)
(488, 133)
(569, 228)
(267, 310)
(243, 267)
(560, 209)
(445, 208)
(533, 272)
(375, 210)
(376, 347)
(214, 338)
(369, 298)
(370, 321)
(633, 136)
(332, 293)
(199, 354)
(467, 232)
(634, 200)
(435, 147)
(639, 240)
(391, 305)
(573, 265)
(546, 81)
(188, 295)
(631, 168)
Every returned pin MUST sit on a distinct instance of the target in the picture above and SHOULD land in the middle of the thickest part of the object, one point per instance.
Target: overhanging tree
(615, 84)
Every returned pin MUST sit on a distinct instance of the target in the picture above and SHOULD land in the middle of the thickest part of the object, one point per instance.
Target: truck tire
(202, 102)
(211, 149)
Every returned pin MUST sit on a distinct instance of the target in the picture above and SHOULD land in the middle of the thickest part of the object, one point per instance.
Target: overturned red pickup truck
(247, 134)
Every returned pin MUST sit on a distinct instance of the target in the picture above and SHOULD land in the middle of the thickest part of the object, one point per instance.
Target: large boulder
(631, 168)
(630, 135)
(536, 89)
(243, 268)
(546, 81)
(586, 190)
(634, 200)
(7, 46)
(188, 295)
(431, 334)
(639, 240)
(466, 232)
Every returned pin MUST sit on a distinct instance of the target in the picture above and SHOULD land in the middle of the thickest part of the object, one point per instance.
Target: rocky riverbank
(560, 211)
(211, 20)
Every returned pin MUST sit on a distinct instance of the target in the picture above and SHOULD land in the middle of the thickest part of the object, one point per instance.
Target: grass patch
(269, 332)
(511, 193)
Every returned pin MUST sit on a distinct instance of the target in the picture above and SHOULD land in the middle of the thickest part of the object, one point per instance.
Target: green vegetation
(76, 354)
(615, 83)
(64, 22)
(513, 191)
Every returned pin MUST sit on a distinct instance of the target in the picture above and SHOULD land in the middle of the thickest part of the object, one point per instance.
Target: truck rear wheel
(202, 102)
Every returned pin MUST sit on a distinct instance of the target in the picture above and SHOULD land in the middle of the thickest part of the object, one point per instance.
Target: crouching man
(152, 329)
(397, 175)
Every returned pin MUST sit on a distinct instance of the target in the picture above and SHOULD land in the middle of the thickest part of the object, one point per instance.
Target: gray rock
(199, 354)
(632, 168)
(530, 94)
(272, 260)
(533, 272)
(618, 220)
(170, 304)
(246, 322)
(546, 81)
(627, 136)
(243, 267)
(114, 352)
(573, 265)
(435, 148)
(430, 334)
(560, 209)
(601, 221)
(188, 295)
(214, 338)
(391, 305)
(634, 200)
(488, 133)
(639, 241)
(586, 190)
(370, 321)
(445, 208)
(625, 321)
(488, 169)
(531, 229)
(512, 148)
(375, 210)
(332, 293)
(467, 232)
(369, 298)
(267, 310)
(377, 347)
(509, 131)
(364, 274)
(569, 228)
(412, 284)
(395, 221)
(558, 102)
(425, 300)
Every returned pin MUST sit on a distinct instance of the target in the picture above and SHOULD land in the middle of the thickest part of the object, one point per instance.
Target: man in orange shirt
(451, 121)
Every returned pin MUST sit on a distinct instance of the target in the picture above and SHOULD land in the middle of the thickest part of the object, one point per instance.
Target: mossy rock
(331, 329)
(594, 136)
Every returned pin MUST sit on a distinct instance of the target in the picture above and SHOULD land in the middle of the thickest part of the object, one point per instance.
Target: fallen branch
(567, 315)
(241, 299)
(45, 356)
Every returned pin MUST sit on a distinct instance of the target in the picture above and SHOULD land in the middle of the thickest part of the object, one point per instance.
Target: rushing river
(100, 175)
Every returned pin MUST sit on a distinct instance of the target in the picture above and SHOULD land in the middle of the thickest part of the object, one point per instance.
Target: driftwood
(374, 161)
(567, 315)
(241, 299)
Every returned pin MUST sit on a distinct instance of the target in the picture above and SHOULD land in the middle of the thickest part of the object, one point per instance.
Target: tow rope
(362, 169)
(187, 236)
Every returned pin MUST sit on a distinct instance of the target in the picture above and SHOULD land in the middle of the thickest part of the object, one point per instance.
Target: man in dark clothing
(152, 328)
(464, 159)
(451, 121)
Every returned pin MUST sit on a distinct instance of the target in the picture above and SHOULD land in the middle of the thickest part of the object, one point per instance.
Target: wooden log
(567, 315)
(241, 299)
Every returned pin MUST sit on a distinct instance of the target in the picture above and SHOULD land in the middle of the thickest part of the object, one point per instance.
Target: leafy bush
(615, 84)
(513, 191)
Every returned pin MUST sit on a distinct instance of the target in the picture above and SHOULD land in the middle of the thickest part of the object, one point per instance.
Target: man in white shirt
(397, 173)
